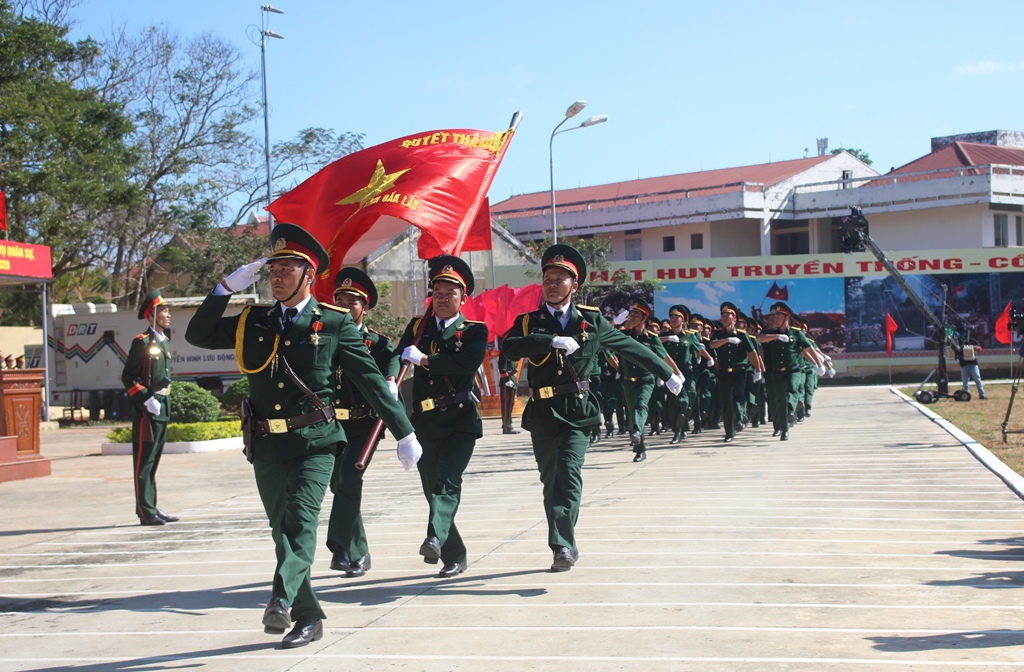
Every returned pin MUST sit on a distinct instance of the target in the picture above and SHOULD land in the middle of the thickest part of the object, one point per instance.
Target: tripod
(1013, 395)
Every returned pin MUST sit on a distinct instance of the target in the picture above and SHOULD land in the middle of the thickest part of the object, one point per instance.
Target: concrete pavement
(872, 540)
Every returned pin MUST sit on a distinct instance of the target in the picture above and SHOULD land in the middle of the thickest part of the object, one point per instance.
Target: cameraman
(967, 355)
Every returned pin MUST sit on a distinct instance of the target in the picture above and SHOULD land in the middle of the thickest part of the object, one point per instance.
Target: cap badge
(280, 244)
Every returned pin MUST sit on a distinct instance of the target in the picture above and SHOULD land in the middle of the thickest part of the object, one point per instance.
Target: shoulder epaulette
(475, 322)
(587, 308)
(741, 331)
(337, 309)
(651, 333)
(371, 329)
(693, 331)
(141, 336)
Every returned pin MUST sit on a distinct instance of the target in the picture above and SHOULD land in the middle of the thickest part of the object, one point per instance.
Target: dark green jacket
(650, 339)
(686, 352)
(781, 356)
(147, 370)
(530, 338)
(453, 358)
(346, 391)
(315, 354)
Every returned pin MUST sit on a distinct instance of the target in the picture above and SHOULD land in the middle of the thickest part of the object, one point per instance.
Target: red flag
(435, 181)
(959, 289)
(890, 329)
(478, 236)
(1003, 333)
(777, 293)
(3, 211)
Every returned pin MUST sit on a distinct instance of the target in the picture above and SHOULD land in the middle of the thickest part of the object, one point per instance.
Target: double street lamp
(265, 32)
(573, 110)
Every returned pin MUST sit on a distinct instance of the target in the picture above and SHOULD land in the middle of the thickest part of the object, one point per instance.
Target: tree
(381, 319)
(859, 153)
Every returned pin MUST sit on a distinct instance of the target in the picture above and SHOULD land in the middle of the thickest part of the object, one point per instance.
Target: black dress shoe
(777, 432)
(675, 438)
(636, 438)
(151, 520)
(430, 549)
(609, 430)
(359, 567)
(728, 439)
(340, 561)
(565, 559)
(451, 569)
(275, 617)
(784, 437)
(168, 518)
(510, 431)
(306, 630)
(640, 457)
(791, 419)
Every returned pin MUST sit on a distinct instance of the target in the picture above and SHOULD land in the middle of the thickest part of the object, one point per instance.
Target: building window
(1001, 230)
(668, 243)
(634, 249)
(847, 175)
(792, 243)
(696, 241)
(585, 236)
(633, 232)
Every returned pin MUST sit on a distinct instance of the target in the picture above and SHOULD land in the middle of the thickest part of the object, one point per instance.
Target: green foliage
(381, 318)
(191, 403)
(196, 431)
(859, 153)
(231, 400)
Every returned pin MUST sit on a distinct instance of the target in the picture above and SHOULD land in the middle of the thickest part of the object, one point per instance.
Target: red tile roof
(668, 187)
(961, 154)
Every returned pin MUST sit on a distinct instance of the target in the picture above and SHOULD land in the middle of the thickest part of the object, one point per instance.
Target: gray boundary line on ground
(1012, 479)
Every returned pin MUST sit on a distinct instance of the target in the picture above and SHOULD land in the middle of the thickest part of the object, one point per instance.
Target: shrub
(197, 431)
(191, 403)
(231, 400)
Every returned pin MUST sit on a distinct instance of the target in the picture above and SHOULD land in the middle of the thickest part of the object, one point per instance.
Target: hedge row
(195, 431)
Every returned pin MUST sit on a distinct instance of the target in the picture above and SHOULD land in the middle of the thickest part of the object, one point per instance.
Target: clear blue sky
(687, 85)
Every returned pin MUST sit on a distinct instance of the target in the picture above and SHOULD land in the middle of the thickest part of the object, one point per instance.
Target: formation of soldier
(323, 386)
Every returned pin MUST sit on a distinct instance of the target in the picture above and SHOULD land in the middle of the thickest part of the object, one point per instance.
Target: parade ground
(872, 540)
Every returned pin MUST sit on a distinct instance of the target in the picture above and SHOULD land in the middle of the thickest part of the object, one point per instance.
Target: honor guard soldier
(736, 355)
(508, 370)
(685, 348)
(562, 343)
(445, 412)
(782, 348)
(290, 353)
(346, 535)
(147, 378)
(658, 395)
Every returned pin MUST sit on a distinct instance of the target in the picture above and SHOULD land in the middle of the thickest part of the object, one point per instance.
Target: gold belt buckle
(427, 405)
(341, 413)
(277, 426)
(546, 392)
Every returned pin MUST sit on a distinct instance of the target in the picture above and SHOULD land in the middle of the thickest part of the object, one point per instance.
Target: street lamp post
(573, 110)
(265, 32)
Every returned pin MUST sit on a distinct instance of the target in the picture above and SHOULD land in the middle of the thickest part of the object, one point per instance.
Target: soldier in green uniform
(637, 381)
(705, 377)
(782, 347)
(508, 370)
(658, 394)
(445, 412)
(562, 343)
(147, 378)
(346, 535)
(685, 348)
(736, 354)
(609, 391)
(290, 353)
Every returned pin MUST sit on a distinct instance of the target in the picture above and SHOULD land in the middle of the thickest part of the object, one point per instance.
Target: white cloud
(987, 69)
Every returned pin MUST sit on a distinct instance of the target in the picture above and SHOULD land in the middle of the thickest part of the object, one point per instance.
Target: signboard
(24, 261)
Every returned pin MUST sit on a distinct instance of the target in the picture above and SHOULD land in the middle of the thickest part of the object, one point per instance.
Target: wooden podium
(20, 412)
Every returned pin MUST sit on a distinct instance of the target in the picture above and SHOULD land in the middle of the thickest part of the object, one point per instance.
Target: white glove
(820, 370)
(393, 388)
(566, 343)
(828, 360)
(673, 338)
(711, 363)
(733, 340)
(409, 451)
(757, 376)
(620, 318)
(784, 338)
(152, 405)
(831, 372)
(413, 355)
(510, 383)
(244, 276)
(659, 383)
(675, 383)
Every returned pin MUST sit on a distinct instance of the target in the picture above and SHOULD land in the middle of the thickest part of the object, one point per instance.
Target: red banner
(435, 181)
(24, 260)
(3, 211)
(890, 329)
(778, 293)
(1003, 332)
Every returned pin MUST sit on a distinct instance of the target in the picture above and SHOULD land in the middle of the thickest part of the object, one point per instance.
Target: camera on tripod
(1017, 317)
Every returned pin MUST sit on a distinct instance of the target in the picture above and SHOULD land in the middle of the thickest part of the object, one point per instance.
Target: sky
(687, 86)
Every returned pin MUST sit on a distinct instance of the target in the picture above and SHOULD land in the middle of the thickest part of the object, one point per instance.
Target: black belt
(357, 413)
(444, 401)
(556, 390)
(735, 368)
(779, 370)
(634, 379)
(285, 425)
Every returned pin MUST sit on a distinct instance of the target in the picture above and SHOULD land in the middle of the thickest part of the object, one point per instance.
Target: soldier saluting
(290, 353)
(562, 343)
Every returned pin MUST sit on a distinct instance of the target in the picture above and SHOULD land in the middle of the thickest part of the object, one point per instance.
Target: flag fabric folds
(777, 293)
(3, 211)
(435, 181)
(1003, 331)
(890, 329)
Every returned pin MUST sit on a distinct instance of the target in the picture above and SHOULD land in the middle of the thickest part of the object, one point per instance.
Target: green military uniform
(508, 370)
(147, 375)
(561, 411)
(685, 352)
(294, 439)
(803, 378)
(609, 392)
(782, 362)
(733, 368)
(445, 412)
(346, 534)
(638, 382)
(659, 393)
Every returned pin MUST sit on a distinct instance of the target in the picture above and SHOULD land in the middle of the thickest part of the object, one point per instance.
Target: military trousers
(799, 390)
(638, 397)
(560, 450)
(292, 493)
(145, 460)
(345, 531)
(441, 467)
(611, 398)
(732, 398)
(779, 387)
(508, 402)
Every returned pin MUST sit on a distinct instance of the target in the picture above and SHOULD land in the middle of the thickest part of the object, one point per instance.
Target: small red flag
(777, 293)
(1003, 333)
(890, 329)
(3, 211)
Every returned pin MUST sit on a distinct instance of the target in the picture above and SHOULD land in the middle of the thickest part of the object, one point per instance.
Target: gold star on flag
(379, 183)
